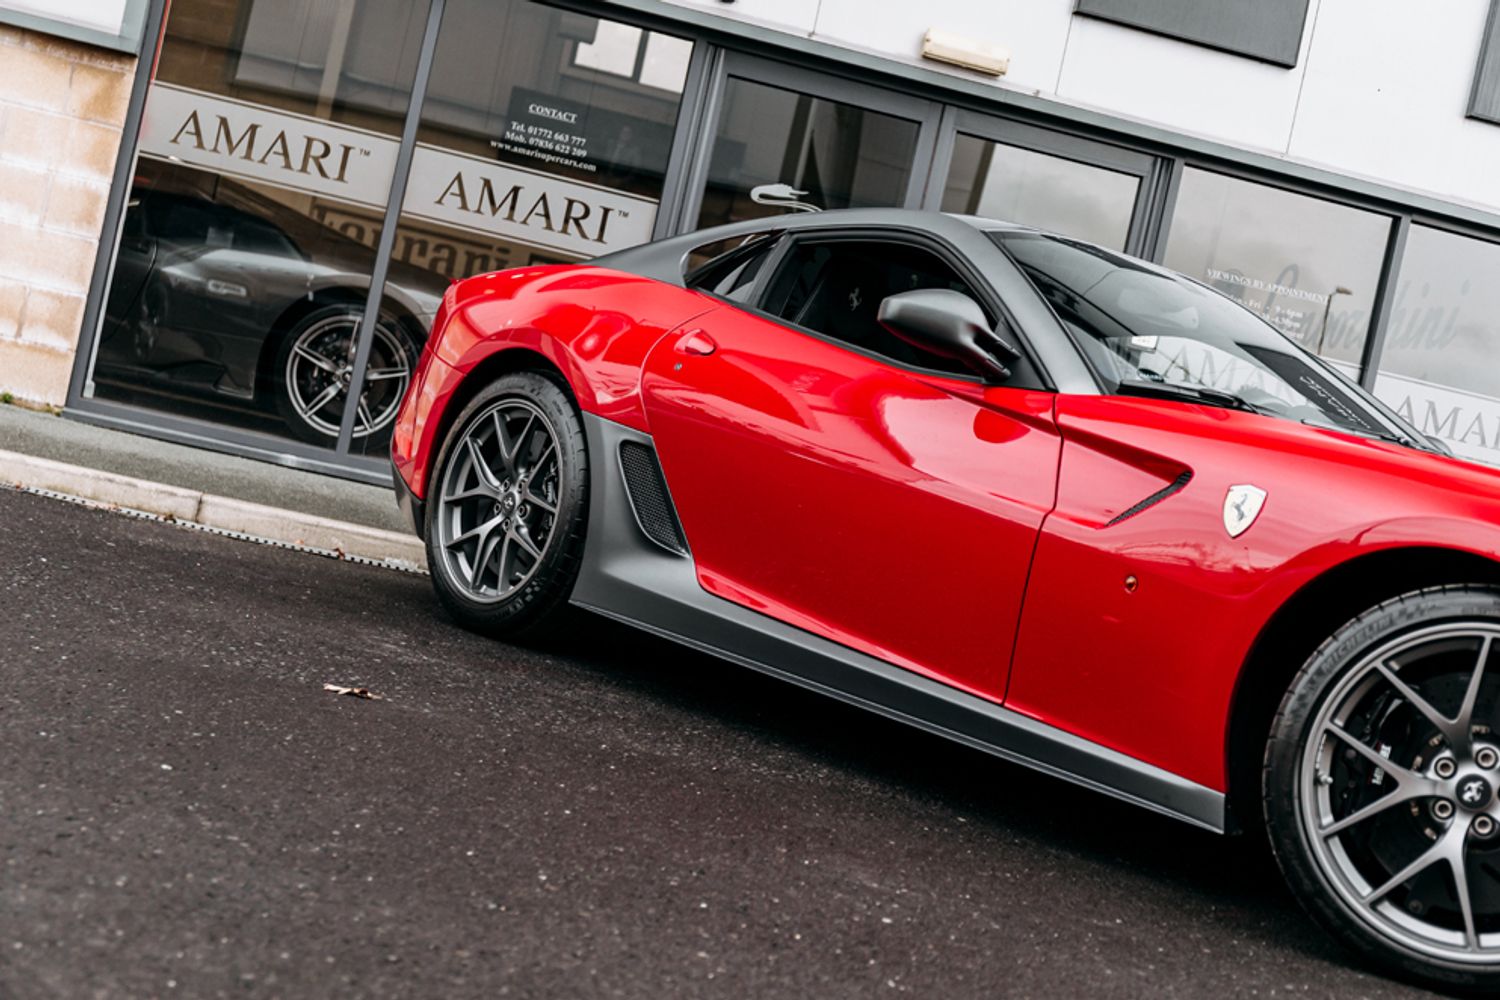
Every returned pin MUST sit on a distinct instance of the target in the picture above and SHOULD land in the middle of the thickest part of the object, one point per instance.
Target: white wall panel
(1182, 86)
(1387, 87)
(788, 15)
(1034, 31)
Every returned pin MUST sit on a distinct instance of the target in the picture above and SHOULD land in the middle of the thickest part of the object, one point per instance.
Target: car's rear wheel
(1381, 786)
(508, 508)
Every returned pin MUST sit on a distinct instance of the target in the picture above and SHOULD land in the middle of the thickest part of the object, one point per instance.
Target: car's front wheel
(508, 508)
(1381, 780)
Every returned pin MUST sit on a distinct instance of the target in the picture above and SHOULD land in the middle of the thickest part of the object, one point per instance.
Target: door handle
(696, 343)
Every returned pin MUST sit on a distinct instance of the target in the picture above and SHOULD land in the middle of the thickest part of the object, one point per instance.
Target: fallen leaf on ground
(365, 693)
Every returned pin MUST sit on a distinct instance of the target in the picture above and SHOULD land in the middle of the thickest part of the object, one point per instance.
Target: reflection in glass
(1147, 332)
(839, 155)
(998, 181)
(544, 139)
(267, 151)
(1438, 369)
(1309, 267)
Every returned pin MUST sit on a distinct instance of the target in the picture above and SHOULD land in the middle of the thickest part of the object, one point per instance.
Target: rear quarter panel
(593, 324)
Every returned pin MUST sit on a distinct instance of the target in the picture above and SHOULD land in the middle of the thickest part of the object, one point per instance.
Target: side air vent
(1154, 499)
(649, 498)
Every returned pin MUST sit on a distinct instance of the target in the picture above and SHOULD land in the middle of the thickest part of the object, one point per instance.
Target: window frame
(1033, 377)
(819, 84)
(1148, 169)
(756, 243)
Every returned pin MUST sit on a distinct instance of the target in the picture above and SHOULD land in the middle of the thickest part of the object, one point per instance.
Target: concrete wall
(1379, 90)
(62, 105)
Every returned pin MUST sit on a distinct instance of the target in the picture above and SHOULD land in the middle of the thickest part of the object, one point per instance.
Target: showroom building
(297, 181)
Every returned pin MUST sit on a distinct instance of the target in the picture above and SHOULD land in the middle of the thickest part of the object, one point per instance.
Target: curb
(174, 503)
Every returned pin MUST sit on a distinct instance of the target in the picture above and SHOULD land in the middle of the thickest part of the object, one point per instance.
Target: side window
(835, 288)
(256, 236)
(728, 268)
(182, 220)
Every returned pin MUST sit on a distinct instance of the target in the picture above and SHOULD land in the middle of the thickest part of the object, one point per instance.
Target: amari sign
(298, 153)
(1467, 421)
(254, 143)
(498, 199)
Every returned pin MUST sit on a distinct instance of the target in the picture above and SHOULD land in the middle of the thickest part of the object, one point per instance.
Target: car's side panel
(892, 512)
(1150, 669)
(595, 325)
(628, 577)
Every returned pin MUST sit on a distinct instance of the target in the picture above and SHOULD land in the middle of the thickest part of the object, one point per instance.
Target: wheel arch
(504, 361)
(1301, 625)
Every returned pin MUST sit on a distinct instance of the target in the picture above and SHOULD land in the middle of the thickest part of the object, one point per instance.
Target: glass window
(266, 156)
(998, 181)
(1438, 369)
(543, 139)
(728, 268)
(835, 289)
(1147, 332)
(801, 150)
(1309, 267)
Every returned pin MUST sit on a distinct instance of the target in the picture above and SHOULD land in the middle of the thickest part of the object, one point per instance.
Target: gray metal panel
(132, 27)
(1484, 99)
(1269, 30)
(1385, 296)
(391, 223)
(629, 579)
(114, 216)
(230, 441)
(689, 127)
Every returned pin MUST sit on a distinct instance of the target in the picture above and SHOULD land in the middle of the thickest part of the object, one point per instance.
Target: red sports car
(1053, 502)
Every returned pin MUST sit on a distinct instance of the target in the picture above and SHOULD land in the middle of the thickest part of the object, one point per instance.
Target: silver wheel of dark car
(508, 505)
(497, 506)
(316, 367)
(1392, 816)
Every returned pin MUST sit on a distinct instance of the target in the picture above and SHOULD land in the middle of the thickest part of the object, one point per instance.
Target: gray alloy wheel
(497, 505)
(507, 508)
(316, 365)
(1382, 782)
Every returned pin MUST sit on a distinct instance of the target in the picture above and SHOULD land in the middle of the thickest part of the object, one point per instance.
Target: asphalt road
(184, 811)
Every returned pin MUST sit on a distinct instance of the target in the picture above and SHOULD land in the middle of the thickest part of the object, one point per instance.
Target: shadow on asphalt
(1013, 801)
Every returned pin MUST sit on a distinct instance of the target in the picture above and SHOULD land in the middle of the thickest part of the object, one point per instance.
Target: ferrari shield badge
(1241, 507)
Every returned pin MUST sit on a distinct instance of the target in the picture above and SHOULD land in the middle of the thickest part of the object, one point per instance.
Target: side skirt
(628, 577)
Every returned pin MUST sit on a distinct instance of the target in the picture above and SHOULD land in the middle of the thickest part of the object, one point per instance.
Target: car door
(837, 478)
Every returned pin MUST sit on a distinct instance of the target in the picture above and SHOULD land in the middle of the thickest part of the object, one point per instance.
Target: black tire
(537, 608)
(1316, 780)
(300, 382)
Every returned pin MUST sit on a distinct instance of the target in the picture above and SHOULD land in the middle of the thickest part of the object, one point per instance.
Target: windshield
(1146, 331)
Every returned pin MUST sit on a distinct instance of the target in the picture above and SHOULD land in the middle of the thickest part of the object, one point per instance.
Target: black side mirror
(950, 325)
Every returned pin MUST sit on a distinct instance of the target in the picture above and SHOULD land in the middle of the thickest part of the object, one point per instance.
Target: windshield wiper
(1370, 432)
(1186, 393)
